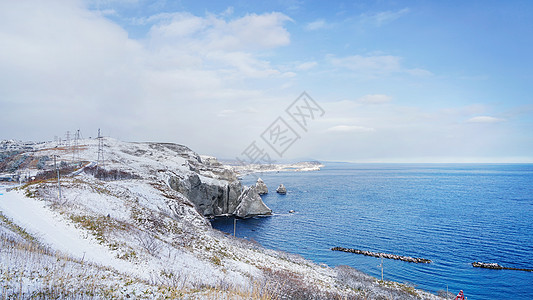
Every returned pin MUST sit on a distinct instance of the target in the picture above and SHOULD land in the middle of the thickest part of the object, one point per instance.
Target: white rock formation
(261, 187)
(250, 204)
(281, 189)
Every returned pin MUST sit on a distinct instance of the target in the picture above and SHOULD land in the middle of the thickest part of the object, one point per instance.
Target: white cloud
(350, 128)
(229, 46)
(418, 72)
(384, 17)
(374, 65)
(251, 32)
(177, 25)
(228, 12)
(316, 25)
(226, 112)
(375, 99)
(242, 64)
(306, 65)
(65, 67)
(484, 119)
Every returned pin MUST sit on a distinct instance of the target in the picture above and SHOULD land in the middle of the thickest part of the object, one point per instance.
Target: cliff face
(214, 189)
(211, 197)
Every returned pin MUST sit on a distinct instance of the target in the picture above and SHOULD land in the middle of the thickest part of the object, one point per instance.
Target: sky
(384, 81)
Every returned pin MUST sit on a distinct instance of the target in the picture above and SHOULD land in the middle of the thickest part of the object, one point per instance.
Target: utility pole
(58, 177)
(234, 226)
(76, 148)
(381, 268)
(101, 161)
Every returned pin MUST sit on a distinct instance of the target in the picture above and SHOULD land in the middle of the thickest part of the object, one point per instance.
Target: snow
(52, 230)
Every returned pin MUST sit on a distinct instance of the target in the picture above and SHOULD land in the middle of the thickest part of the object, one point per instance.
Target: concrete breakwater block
(384, 255)
(495, 266)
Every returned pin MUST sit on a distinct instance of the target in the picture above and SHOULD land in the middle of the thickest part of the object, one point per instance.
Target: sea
(452, 214)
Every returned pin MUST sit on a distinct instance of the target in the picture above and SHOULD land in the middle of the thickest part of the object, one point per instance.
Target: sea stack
(281, 189)
(251, 204)
(261, 187)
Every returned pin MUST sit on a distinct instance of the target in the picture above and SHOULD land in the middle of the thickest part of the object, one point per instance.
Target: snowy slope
(54, 231)
(144, 238)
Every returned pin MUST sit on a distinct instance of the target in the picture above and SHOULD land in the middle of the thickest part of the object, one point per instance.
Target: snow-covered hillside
(129, 229)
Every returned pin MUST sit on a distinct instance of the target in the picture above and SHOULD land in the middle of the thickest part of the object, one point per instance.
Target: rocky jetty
(250, 204)
(281, 189)
(487, 265)
(496, 266)
(384, 255)
(261, 187)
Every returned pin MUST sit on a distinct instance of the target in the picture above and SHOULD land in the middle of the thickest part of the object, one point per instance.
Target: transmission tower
(100, 162)
(67, 139)
(76, 148)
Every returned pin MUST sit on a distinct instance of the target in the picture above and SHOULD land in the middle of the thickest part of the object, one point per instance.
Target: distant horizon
(435, 163)
(511, 160)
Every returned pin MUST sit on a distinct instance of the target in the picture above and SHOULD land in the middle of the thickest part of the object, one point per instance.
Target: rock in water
(261, 187)
(251, 204)
(281, 189)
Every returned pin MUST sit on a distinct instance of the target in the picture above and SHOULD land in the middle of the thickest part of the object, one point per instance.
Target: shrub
(112, 174)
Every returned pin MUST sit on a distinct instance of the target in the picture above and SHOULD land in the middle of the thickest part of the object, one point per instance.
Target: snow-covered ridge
(135, 236)
(212, 187)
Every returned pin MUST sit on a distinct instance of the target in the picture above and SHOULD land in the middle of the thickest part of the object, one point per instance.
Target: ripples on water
(451, 214)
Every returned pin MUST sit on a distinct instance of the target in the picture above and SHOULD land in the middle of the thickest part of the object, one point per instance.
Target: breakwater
(496, 266)
(384, 255)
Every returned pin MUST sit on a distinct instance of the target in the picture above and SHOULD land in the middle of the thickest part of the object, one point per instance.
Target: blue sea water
(453, 214)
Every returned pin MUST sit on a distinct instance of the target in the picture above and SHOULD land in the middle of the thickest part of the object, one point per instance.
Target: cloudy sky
(395, 81)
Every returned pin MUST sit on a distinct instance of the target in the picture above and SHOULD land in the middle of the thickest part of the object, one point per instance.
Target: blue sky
(399, 81)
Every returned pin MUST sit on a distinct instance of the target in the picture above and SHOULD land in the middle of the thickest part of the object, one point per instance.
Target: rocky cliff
(211, 197)
(250, 204)
(212, 187)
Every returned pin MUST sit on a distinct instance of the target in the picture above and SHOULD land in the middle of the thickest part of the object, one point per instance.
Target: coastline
(148, 229)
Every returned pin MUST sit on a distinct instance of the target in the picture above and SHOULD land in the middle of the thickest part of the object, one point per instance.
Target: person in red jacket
(460, 296)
